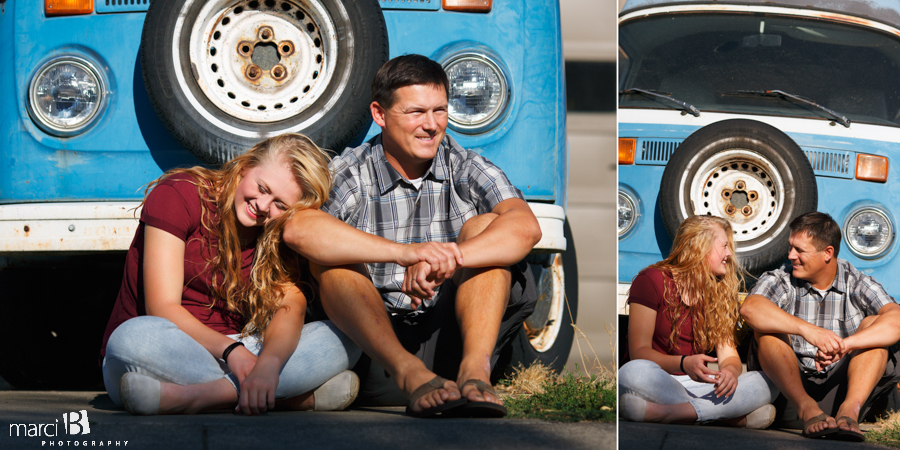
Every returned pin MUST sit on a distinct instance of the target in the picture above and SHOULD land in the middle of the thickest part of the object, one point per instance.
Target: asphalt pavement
(22, 414)
(641, 436)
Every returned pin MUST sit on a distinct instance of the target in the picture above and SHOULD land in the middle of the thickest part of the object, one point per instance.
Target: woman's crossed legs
(194, 380)
(679, 399)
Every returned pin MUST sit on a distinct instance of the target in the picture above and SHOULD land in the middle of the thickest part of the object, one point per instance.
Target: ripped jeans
(647, 380)
(156, 347)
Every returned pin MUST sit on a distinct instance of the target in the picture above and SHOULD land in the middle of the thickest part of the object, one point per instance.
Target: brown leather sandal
(819, 434)
(480, 409)
(439, 410)
(849, 435)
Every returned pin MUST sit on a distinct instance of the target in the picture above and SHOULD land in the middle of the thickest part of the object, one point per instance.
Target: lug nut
(747, 210)
(286, 48)
(245, 49)
(740, 185)
(279, 72)
(266, 33)
(253, 72)
(730, 209)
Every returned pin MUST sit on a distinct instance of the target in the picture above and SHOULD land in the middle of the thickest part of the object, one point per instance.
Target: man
(443, 308)
(840, 325)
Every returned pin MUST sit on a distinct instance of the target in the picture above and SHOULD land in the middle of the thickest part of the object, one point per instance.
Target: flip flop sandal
(439, 410)
(819, 434)
(480, 409)
(848, 435)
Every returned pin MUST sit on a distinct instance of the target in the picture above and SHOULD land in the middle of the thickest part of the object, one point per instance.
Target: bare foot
(680, 413)
(302, 402)
(851, 412)
(416, 376)
(808, 415)
(193, 398)
(477, 370)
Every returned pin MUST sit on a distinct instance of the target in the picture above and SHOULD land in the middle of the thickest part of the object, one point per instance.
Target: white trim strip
(673, 117)
(807, 13)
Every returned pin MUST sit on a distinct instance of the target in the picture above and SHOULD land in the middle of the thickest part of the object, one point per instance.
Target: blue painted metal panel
(129, 146)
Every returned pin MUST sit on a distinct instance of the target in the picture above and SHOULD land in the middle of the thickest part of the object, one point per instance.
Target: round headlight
(627, 213)
(869, 232)
(65, 96)
(479, 92)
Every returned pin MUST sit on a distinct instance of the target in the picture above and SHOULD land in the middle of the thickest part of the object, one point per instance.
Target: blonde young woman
(210, 313)
(682, 308)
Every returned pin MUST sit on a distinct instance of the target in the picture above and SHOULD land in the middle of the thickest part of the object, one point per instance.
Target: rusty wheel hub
(263, 61)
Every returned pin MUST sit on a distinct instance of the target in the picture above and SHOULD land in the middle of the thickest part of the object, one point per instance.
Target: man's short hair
(821, 229)
(406, 70)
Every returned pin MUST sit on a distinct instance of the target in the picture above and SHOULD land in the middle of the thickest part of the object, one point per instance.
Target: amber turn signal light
(68, 7)
(626, 150)
(870, 168)
(468, 5)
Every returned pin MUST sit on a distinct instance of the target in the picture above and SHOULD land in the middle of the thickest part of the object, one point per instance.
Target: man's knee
(475, 226)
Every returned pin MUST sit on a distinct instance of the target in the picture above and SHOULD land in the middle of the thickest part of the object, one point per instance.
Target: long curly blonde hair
(714, 308)
(275, 267)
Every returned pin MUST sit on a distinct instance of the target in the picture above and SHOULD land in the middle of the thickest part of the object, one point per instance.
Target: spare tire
(745, 171)
(225, 74)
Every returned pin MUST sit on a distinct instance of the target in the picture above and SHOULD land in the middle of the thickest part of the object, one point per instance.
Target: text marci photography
(73, 424)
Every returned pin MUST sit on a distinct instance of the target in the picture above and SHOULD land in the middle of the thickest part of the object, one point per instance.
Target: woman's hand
(258, 389)
(729, 369)
(726, 383)
(241, 362)
(282, 335)
(695, 368)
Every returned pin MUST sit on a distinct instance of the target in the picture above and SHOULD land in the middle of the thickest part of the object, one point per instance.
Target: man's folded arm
(325, 240)
(766, 317)
(507, 239)
(884, 331)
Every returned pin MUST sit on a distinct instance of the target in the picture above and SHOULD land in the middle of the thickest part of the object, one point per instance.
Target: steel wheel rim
(302, 34)
(726, 184)
(542, 339)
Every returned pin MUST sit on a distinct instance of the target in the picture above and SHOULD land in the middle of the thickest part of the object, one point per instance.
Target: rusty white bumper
(105, 226)
(64, 227)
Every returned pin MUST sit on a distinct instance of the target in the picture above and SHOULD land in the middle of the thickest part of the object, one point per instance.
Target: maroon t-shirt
(647, 290)
(174, 206)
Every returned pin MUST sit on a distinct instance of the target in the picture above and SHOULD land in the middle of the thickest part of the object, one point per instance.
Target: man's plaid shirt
(853, 296)
(372, 196)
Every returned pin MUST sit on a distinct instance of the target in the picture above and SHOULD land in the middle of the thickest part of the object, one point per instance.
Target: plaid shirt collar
(839, 285)
(388, 176)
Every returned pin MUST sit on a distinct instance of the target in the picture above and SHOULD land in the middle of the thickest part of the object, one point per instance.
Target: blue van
(99, 97)
(758, 111)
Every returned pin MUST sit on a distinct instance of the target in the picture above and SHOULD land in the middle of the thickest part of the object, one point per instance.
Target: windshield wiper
(686, 107)
(838, 117)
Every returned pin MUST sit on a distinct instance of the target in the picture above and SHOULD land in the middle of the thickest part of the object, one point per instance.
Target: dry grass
(887, 432)
(538, 392)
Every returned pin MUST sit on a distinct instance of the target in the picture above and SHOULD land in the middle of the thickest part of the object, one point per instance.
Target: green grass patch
(888, 435)
(567, 398)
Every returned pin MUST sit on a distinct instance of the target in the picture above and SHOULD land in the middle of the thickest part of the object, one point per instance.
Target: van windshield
(731, 63)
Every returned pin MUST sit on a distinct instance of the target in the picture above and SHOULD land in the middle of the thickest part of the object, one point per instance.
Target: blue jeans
(647, 380)
(155, 347)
